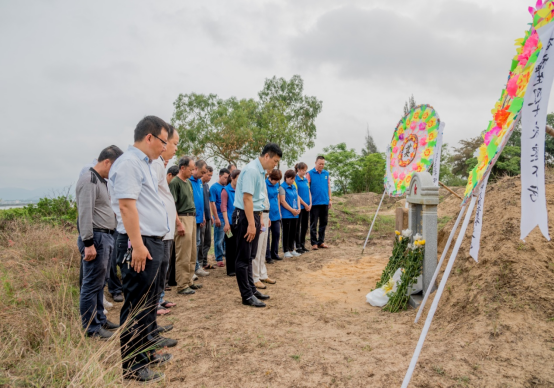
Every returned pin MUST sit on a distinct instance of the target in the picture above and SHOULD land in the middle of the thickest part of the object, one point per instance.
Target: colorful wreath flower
(508, 107)
(413, 141)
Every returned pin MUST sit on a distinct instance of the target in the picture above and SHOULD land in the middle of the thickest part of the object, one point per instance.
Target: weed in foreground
(42, 343)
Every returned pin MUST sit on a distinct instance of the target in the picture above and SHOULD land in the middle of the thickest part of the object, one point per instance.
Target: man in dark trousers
(142, 223)
(320, 188)
(249, 205)
(96, 227)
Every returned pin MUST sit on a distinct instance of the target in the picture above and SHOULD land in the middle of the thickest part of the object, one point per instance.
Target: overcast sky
(78, 76)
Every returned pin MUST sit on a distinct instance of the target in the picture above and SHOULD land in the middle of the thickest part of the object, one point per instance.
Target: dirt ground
(494, 326)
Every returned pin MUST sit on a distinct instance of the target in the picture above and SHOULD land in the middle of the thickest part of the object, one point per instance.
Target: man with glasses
(142, 223)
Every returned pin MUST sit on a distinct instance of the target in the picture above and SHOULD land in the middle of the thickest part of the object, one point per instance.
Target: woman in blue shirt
(305, 198)
(272, 184)
(227, 208)
(290, 209)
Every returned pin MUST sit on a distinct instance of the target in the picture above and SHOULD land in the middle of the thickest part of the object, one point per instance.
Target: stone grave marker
(423, 199)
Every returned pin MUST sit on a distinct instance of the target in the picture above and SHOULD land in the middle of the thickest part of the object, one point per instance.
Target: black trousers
(319, 213)
(231, 250)
(171, 270)
(274, 235)
(114, 284)
(289, 231)
(246, 253)
(141, 302)
(301, 229)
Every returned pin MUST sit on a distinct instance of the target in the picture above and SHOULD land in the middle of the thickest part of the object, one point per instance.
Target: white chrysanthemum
(418, 237)
(411, 247)
(407, 233)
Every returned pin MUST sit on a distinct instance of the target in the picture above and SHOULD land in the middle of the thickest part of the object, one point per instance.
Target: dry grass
(41, 340)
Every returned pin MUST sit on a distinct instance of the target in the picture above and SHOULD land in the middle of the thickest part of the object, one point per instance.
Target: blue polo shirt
(230, 202)
(291, 198)
(303, 189)
(319, 187)
(273, 196)
(251, 181)
(198, 192)
(215, 197)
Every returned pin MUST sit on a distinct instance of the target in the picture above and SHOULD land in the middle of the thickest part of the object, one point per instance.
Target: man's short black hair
(200, 163)
(112, 153)
(170, 131)
(272, 149)
(210, 169)
(173, 170)
(319, 157)
(224, 171)
(184, 161)
(150, 125)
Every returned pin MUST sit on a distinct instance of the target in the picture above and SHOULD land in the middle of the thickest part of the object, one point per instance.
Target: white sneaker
(107, 304)
(201, 272)
(295, 254)
(288, 255)
(194, 277)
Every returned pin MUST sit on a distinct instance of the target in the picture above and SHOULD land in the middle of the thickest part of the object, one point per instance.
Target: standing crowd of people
(156, 224)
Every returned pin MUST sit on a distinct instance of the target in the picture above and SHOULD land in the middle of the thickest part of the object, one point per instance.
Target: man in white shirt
(158, 165)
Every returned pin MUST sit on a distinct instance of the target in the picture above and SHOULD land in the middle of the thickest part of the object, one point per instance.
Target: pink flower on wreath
(423, 141)
(512, 86)
(393, 162)
(402, 176)
(493, 132)
(413, 167)
(395, 175)
(422, 126)
(413, 125)
(395, 150)
(530, 46)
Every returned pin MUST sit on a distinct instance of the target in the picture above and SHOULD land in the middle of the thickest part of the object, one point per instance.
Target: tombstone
(423, 199)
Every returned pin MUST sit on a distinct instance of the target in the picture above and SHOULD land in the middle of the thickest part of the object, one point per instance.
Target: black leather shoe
(117, 298)
(278, 258)
(253, 301)
(187, 291)
(196, 286)
(261, 296)
(110, 325)
(162, 329)
(232, 274)
(160, 359)
(145, 375)
(162, 342)
(102, 334)
(270, 261)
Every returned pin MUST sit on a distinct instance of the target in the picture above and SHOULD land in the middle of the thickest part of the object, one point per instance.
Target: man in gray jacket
(96, 226)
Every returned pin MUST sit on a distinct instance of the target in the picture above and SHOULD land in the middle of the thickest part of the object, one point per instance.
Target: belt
(258, 214)
(154, 237)
(266, 211)
(107, 231)
(191, 214)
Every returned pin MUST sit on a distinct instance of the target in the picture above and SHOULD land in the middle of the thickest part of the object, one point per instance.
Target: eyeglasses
(164, 142)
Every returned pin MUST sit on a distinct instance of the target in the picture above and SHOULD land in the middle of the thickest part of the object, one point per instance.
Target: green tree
(236, 130)
(342, 164)
(214, 128)
(369, 144)
(409, 105)
(369, 174)
(286, 117)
